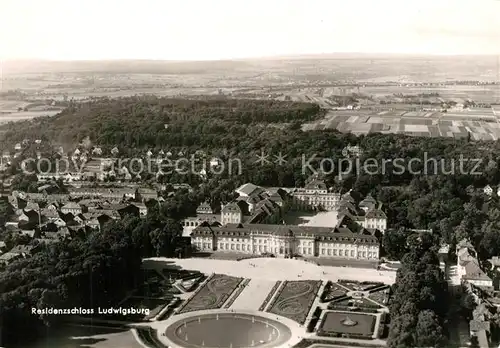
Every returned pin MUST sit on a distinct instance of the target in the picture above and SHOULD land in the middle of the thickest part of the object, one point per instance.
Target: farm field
(480, 124)
(9, 111)
(295, 299)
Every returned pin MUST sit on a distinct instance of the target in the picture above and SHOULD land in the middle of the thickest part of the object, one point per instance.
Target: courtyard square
(275, 269)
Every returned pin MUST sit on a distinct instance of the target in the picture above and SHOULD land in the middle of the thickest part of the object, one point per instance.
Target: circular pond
(228, 330)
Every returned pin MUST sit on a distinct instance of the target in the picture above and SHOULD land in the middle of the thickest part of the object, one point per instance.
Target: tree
(429, 332)
(394, 243)
(5, 211)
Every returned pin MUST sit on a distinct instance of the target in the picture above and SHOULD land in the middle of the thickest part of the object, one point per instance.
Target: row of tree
(419, 305)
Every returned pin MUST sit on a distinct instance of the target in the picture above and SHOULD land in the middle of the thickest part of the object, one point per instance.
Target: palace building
(254, 205)
(287, 241)
(314, 196)
(244, 226)
(367, 213)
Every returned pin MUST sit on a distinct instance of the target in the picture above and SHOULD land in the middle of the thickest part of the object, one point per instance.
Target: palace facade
(314, 196)
(287, 241)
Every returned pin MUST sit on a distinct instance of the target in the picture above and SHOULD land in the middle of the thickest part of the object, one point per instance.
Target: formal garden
(270, 295)
(356, 296)
(153, 292)
(295, 299)
(322, 343)
(347, 325)
(213, 294)
(333, 291)
(359, 286)
(354, 304)
(381, 296)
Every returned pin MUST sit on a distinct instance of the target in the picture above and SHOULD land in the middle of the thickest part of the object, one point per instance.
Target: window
(329, 252)
(237, 247)
(322, 251)
(352, 253)
(232, 246)
(341, 252)
(334, 252)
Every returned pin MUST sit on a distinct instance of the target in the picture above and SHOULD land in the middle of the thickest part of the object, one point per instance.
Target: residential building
(146, 194)
(468, 267)
(249, 190)
(72, 208)
(287, 241)
(18, 252)
(143, 209)
(352, 151)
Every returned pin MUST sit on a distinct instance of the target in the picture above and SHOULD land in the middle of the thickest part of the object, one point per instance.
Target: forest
(450, 203)
(87, 271)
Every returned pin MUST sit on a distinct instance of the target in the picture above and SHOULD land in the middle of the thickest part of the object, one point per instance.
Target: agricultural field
(481, 124)
(331, 81)
(213, 294)
(295, 299)
(18, 110)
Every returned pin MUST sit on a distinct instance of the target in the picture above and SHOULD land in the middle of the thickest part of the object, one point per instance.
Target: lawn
(212, 294)
(358, 286)
(381, 296)
(295, 299)
(351, 324)
(332, 291)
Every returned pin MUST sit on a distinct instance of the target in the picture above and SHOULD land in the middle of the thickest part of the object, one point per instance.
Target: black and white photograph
(249, 174)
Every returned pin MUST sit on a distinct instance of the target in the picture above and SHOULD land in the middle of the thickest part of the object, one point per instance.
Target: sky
(233, 29)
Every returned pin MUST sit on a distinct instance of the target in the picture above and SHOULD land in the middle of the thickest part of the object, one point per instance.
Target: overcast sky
(223, 29)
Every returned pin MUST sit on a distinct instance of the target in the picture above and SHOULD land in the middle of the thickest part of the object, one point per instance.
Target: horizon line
(250, 58)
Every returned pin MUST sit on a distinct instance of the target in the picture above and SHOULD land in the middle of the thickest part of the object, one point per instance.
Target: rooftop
(249, 189)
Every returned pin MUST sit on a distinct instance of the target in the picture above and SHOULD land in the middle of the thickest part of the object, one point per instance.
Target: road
(457, 325)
